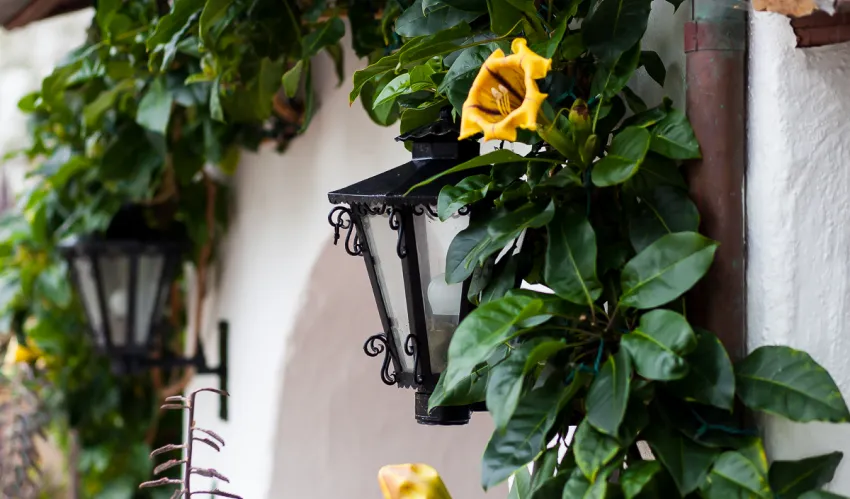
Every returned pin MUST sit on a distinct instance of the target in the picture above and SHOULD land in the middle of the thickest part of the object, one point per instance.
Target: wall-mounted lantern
(404, 245)
(123, 277)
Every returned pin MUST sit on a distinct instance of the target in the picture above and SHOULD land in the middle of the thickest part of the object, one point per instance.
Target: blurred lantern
(124, 277)
(404, 245)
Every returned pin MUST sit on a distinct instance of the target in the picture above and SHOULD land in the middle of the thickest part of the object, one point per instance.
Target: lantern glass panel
(442, 300)
(148, 294)
(84, 271)
(383, 243)
(115, 278)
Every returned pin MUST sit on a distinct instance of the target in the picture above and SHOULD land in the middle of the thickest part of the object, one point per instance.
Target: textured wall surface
(798, 199)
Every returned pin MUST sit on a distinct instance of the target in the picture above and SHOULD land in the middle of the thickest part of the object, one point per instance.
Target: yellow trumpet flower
(27, 354)
(411, 481)
(504, 95)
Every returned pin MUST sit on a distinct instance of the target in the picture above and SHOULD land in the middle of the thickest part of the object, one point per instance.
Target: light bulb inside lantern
(118, 304)
(444, 298)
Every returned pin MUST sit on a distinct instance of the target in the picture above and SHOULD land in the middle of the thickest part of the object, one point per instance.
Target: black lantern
(124, 278)
(404, 245)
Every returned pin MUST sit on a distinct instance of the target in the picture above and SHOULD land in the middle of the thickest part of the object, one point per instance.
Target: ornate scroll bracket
(376, 345)
(411, 348)
(340, 219)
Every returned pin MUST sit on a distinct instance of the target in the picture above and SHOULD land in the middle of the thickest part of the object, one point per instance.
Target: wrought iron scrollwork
(376, 345)
(340, 219)
(411, 348)
(420, 209)
(397, 225)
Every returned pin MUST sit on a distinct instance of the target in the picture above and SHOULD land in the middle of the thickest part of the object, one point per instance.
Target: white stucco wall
(798, 198)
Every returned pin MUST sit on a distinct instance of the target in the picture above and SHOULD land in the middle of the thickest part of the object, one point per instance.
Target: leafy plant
(208, 437)
(598, 213)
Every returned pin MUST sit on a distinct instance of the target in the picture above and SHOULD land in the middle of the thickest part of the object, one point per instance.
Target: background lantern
(404, 245)
(124, 278)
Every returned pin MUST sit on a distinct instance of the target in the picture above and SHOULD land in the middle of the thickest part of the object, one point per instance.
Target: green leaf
(666, 269)
(398, 86)
(467, 5)
(504, 279)
(821, 494)
(372, 71)
(549, 48)
(337, 54)
(483, 330)
(665, 210)
(628, 149)
(609, 394)
(674, 138)
(654, 172)
(576, 486)
(524, 437)
(169, 24)
(505, 385)
(787, 382)
(506, 19)
(497, 157)
(414, 118)
(654, 66)
(791, 479)
(155, 107)
(736, 475)
(521, 488)
(658, 344)
(614, 26)
(573, 47)
(467, 191)
(94, 111)
(471, 389)
(292, 79)
(552, 487)
(384, 115)
(610, 79)
(213, 11)
(570, 267)
(466, 250)
(413, 22)
(508, 225)
(467, 65)
(593, 450)
(443, 42)
(711, 378)
(216, 111)
(325, 34)
(638, 477)
(686, 461)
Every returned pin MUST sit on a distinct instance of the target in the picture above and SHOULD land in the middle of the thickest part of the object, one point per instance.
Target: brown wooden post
(715, 46)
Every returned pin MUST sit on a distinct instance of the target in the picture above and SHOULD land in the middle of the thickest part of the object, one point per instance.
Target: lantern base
(440, 416)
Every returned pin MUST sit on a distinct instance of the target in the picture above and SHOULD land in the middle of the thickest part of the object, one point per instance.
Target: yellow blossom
(504, 95)
(27, 354)
(411, 481)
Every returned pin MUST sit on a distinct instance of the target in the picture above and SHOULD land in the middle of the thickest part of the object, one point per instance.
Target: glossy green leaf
(674, 138)
(735, 475)
(655, 171)
(442, 43)
(497, 157)
(573, 47)
(467, 5)
(628, 149)
(467, 65)
(665, 210)
(552, 488)
(615, 26)
(787, 382)
(686, 461)
(155, 108)
(213, 11)
(658, 345)
(524, 437)
(544, 468)
(398, 86)
(666, 269)
(105, 101)
(549, 48)
(483, 330)
(505, 385)
(711, 378)
(413, 118)
(638, 477)
(373, 71)
(506, 19)
(467, 191)
(521, 487)
(467, 250)
(169, 24)
(610, 79)
(593, 450)
(384, 115)
(570, 267)
(323, 35)
(413, 22)
(577, 486)
(471, 389)
(821, 494)
(503, 280)
(609, 394)
(292, 79)
(508, 224)
(654, 66)
(791, 479)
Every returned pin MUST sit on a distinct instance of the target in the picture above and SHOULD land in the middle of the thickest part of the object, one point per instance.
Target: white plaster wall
(798, 199)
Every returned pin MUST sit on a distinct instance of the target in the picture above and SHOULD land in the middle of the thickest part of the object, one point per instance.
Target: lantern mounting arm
(199, 362)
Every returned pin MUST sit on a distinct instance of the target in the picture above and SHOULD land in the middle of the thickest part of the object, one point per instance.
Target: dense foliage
(599, 213)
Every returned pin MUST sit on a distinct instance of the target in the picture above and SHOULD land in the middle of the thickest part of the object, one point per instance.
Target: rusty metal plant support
(214, 441)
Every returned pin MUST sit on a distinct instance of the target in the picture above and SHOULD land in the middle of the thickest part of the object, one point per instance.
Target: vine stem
(613, 316)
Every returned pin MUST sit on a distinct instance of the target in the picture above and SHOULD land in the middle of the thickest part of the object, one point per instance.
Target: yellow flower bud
(580, 115)
(411, 481)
